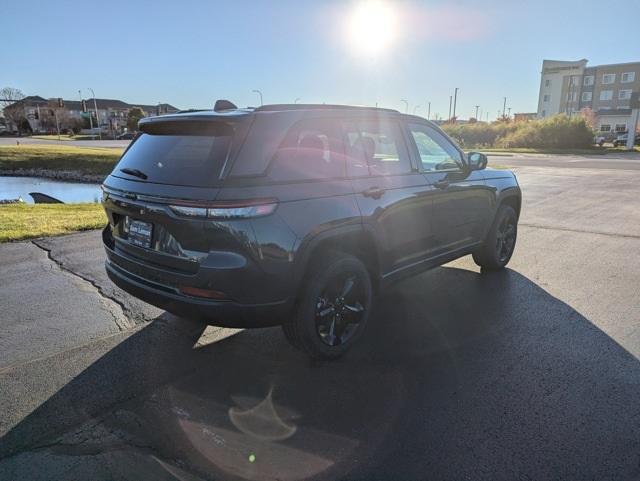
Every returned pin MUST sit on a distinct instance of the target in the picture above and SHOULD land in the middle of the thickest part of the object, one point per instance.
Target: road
(531, 373)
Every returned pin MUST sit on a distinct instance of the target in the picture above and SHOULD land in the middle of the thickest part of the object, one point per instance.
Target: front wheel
(333, 308)
(497, 249)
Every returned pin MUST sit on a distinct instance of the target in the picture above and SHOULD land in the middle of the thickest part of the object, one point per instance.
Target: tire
(498, 246)
(333, 307)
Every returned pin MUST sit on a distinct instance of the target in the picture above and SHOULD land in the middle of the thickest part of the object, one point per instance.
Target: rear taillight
(227, 209)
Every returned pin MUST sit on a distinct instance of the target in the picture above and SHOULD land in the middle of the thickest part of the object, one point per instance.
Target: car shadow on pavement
(460, 376)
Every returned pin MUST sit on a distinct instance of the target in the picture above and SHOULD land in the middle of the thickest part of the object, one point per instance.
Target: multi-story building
(568, 87)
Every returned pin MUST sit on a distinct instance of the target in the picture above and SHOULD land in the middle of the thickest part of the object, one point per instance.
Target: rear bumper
(218, 313)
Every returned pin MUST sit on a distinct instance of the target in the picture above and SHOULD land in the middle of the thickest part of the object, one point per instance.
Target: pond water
(67, 192)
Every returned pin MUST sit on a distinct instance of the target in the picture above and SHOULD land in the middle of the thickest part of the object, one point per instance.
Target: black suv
(296, 215)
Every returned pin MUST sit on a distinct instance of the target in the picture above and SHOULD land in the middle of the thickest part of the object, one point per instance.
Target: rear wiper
(135, 172)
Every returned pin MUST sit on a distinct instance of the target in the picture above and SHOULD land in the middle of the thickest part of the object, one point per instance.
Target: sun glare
(372, 27)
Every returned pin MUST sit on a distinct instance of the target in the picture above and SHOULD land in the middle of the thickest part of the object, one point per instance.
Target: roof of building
(152, 108)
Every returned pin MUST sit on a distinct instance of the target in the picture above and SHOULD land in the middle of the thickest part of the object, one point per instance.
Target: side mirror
(477, 161)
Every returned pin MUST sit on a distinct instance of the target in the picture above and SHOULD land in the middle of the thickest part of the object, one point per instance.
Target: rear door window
(375, 147)
(312, 149)
(178, 159)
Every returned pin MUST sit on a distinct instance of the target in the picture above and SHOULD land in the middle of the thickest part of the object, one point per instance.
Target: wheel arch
(354, 240)
(512, 198)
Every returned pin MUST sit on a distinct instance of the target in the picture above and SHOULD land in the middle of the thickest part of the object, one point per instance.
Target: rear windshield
(177, 159)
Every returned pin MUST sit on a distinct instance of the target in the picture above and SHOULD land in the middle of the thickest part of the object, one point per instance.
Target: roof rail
(281, 107)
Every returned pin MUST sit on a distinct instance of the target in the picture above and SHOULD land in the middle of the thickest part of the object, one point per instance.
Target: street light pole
(455, 100)
(406, 110)
(90, 118)
(477, 107)
(504, 106)
(296, 100)
(95, 107)
(260, 94)
(429, 111)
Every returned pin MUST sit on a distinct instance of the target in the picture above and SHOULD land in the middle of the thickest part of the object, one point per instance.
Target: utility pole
(406, 103)
(95, 107)
(429, 111)
(455, 100)
(504, 106)
(477, 107)
(260, 94)
(55, 113)
(450, 100)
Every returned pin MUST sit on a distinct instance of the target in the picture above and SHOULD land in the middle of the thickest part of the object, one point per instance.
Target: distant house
(111, 114)
(525, 117)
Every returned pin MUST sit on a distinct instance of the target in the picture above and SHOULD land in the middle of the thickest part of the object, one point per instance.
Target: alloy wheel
(339, 309)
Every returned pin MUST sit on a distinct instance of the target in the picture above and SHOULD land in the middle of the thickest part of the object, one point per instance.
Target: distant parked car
(126, 136)
(621, 139)
(604, 137)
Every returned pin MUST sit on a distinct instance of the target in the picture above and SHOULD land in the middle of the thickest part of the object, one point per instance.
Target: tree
(134, 115)
(13, 111)
(589, 117)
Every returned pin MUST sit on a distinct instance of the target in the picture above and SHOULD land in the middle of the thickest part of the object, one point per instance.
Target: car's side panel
(400, 217)
(305, 211)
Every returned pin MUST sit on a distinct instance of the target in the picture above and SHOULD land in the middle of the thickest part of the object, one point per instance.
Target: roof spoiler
(222, 104)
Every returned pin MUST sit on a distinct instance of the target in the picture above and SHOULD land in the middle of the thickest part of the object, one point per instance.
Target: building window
(547, 83)
(572, 96)
(588, 80)
(546, 98)
(573, 80)
(628, 77)
(605, 128)
(587, 96)
(621, 128)
(606, 94)
(608, 78)
(624, 94)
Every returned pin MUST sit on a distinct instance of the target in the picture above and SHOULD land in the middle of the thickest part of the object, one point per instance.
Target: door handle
(441, 184)
(374, 192)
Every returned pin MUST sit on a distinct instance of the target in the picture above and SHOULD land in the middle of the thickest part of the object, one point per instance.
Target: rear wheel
(333, 308)
(497, 249)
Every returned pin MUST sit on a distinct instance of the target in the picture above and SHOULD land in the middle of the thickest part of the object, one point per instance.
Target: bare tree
(13, 114)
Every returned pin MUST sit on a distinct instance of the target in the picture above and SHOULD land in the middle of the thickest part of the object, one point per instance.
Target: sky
(190, 53)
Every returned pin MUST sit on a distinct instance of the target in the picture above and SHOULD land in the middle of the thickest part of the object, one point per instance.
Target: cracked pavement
(532, 373)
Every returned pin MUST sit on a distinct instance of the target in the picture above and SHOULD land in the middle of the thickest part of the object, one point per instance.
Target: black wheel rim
(506, 238)
(339, 309)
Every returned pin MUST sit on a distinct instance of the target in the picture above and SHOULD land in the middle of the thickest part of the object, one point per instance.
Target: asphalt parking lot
(531, 373)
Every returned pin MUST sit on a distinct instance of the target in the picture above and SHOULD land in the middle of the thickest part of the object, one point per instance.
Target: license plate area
(139, 233)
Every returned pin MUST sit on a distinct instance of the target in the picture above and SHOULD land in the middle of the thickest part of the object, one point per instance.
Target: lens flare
(372, 27)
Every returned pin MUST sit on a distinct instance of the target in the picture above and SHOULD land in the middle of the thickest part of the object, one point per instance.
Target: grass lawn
(25, 221)
(59, 157)
(53, 137)
(588, 151)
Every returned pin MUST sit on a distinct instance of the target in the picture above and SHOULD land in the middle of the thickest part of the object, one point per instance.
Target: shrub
(558, 131)
(478, 134)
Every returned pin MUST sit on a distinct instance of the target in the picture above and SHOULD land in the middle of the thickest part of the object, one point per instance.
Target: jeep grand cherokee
(296, 215)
